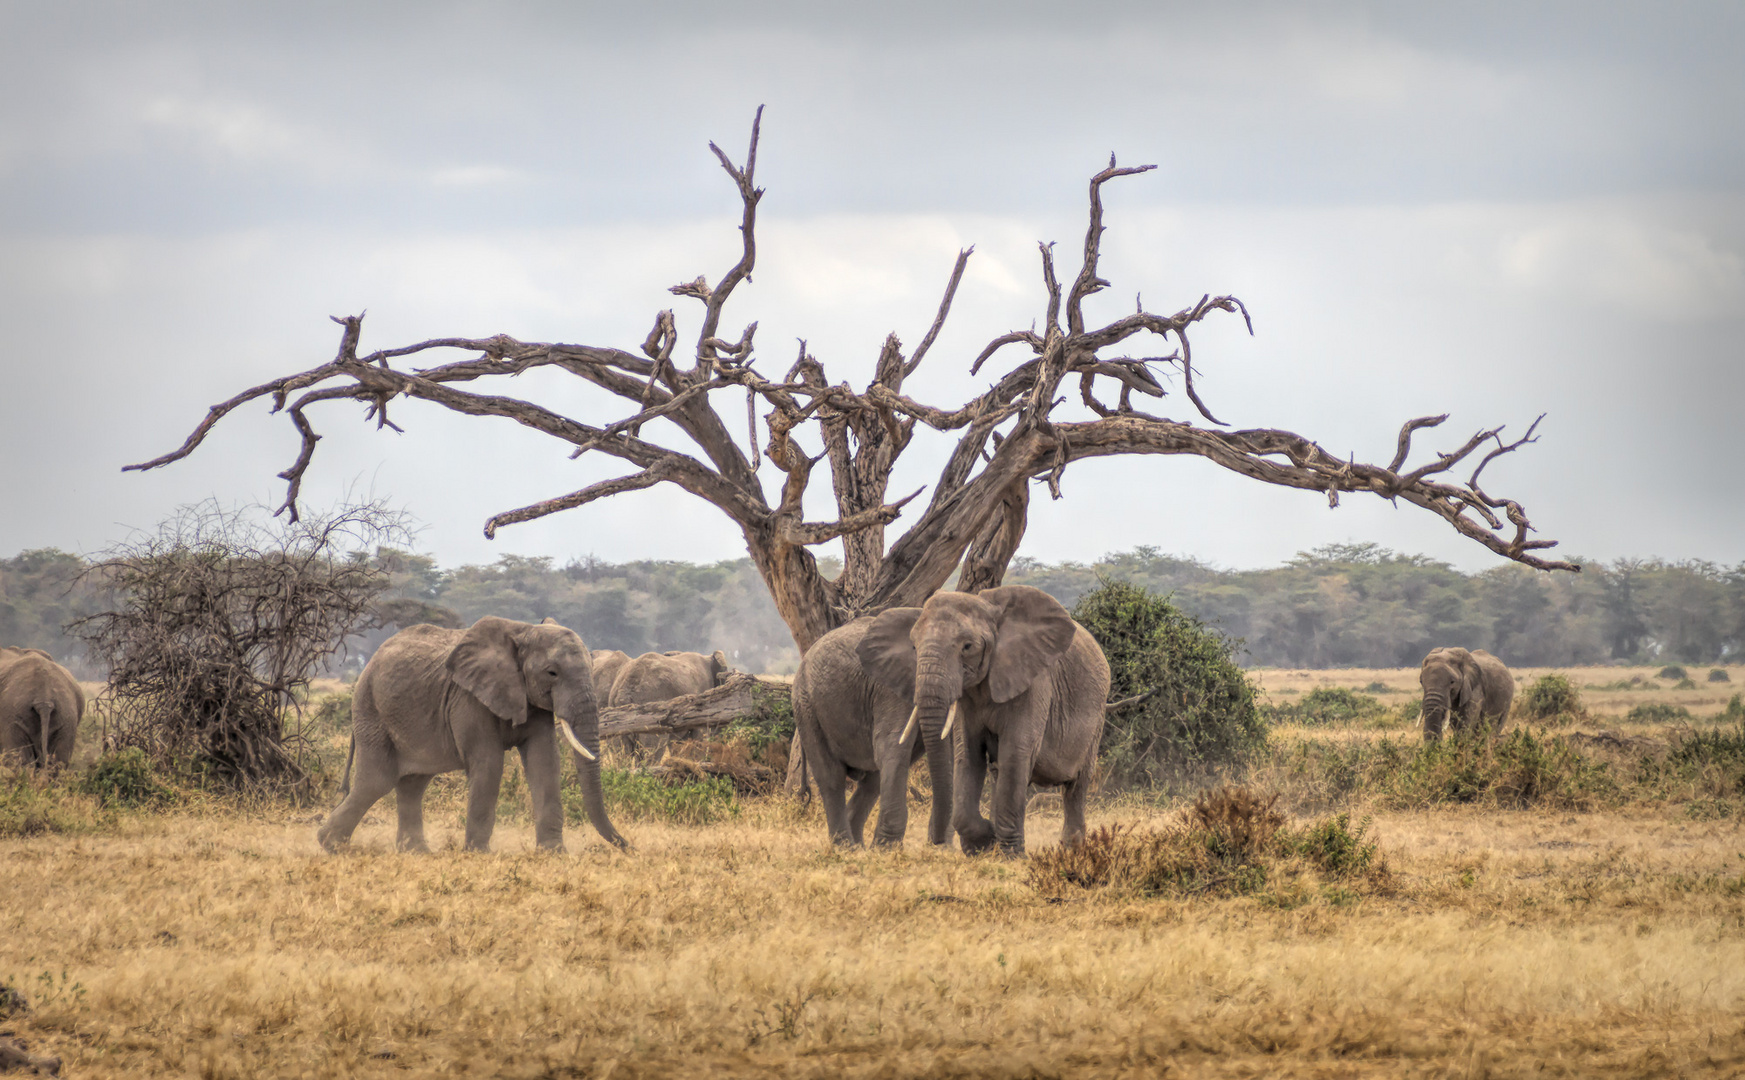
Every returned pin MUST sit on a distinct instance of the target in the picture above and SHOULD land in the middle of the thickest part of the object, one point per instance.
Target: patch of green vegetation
(770, 722)
(125, 778)
(1719, 675)
(1376, 686)
(1685, 684)
(32, 803)
(1671, 671)
(1657, 712)
(639, 796)
(1327, 706)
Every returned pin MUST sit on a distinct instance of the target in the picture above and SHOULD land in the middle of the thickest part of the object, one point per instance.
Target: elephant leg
(975, 833)
(409, 802)
(543, 766)
(376, 776)
(832, 780)
(484, 782)
(1011, 793)
(894, 764)
(1072, 801)
(860, 805)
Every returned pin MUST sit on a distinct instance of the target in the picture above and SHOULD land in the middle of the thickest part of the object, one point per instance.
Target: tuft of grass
(125, 778)
(1229, 842)
(34, 802)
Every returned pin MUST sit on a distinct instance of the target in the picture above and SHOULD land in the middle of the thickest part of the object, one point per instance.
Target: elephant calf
(1464, 691)
(433, 700)
(41, 705)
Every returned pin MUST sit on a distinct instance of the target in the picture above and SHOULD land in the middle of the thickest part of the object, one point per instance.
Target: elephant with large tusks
(1464, 691)
(433, 700)
(1022, 684)
(41, 705)
(851, 726)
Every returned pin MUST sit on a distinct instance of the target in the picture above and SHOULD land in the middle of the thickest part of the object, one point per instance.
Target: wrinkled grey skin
(433, 700)
(1464, 691)
(1029, 685)
(40, 708)
(607, 664)
(664, 676)
(849, 725)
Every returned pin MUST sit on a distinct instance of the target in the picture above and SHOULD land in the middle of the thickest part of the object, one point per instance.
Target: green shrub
(1327, 705)
(639, 796)
(1720, 746)
(1334, 847)
(125, 778)
(1410, 713)
(1379, 687)
(1201, 712)
(1671, 671)
(1657, 712)
(1735, 710)
(1719, 675)
(1551, 699)
(332, 714)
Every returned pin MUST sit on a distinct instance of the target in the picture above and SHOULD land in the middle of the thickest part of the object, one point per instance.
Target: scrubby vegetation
(1552, 699)
(1199, 711)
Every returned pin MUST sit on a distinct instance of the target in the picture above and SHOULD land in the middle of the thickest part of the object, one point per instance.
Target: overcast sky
(1494, 210)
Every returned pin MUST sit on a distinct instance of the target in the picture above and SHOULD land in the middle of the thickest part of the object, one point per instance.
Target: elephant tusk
(570, 734)
(950, 718)
(914, 719)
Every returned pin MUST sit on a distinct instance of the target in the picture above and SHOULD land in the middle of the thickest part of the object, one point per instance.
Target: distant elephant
(607, 664)
(1464, 691)
(1029, 686)
(433, 700)
(851, 726)
(41, 705)
(664, 676)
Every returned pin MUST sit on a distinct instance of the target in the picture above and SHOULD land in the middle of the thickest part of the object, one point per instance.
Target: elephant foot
(887, 842)
(976, 837)
(331, 843)
(413, 846)
(846, 842)
(1011, 850)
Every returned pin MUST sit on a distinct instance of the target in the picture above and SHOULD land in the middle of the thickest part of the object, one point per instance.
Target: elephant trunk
(580, 725)
(45, 712)
(938, 686)
(1435, 715)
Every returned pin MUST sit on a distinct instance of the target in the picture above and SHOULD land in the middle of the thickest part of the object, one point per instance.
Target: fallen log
(724, 704)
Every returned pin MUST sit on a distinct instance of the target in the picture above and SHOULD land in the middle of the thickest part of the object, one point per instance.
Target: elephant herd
(1001, 683)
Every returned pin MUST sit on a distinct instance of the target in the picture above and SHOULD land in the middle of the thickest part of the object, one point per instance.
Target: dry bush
(218, 625)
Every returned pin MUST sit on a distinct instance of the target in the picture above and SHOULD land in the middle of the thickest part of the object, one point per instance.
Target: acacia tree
(1012, 434)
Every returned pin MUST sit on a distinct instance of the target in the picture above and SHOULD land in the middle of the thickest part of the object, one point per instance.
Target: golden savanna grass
(1497, 943)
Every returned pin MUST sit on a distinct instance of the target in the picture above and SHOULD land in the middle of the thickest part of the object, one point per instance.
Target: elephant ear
(718, 667)
(487, 665)
(1032, 633)
(886, 653)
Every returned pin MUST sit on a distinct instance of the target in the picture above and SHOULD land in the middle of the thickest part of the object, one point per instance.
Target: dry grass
(1503, 944)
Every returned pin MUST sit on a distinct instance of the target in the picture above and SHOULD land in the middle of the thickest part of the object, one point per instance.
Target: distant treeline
(1345, 605)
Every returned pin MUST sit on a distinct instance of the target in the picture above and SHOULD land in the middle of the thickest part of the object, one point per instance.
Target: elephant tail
(350, 751)
(45, 711)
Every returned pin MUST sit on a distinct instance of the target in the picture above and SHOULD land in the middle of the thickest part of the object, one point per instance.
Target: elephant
(664, 676)
(852, 726)
(1463, 691)
(41, 705)
(1025, 685)
(433, 700)
(607, 664)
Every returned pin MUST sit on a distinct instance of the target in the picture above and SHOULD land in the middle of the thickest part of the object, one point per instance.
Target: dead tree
(1025, 427)
(216, 623)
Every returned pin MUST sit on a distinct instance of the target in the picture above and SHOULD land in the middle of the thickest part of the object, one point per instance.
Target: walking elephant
(1026, 685)
(41, 705)
(1464, 691)
(433, 700)
(851, 726)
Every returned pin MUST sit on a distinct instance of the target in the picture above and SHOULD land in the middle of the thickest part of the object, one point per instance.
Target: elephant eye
(552, 673)
(968, 645)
